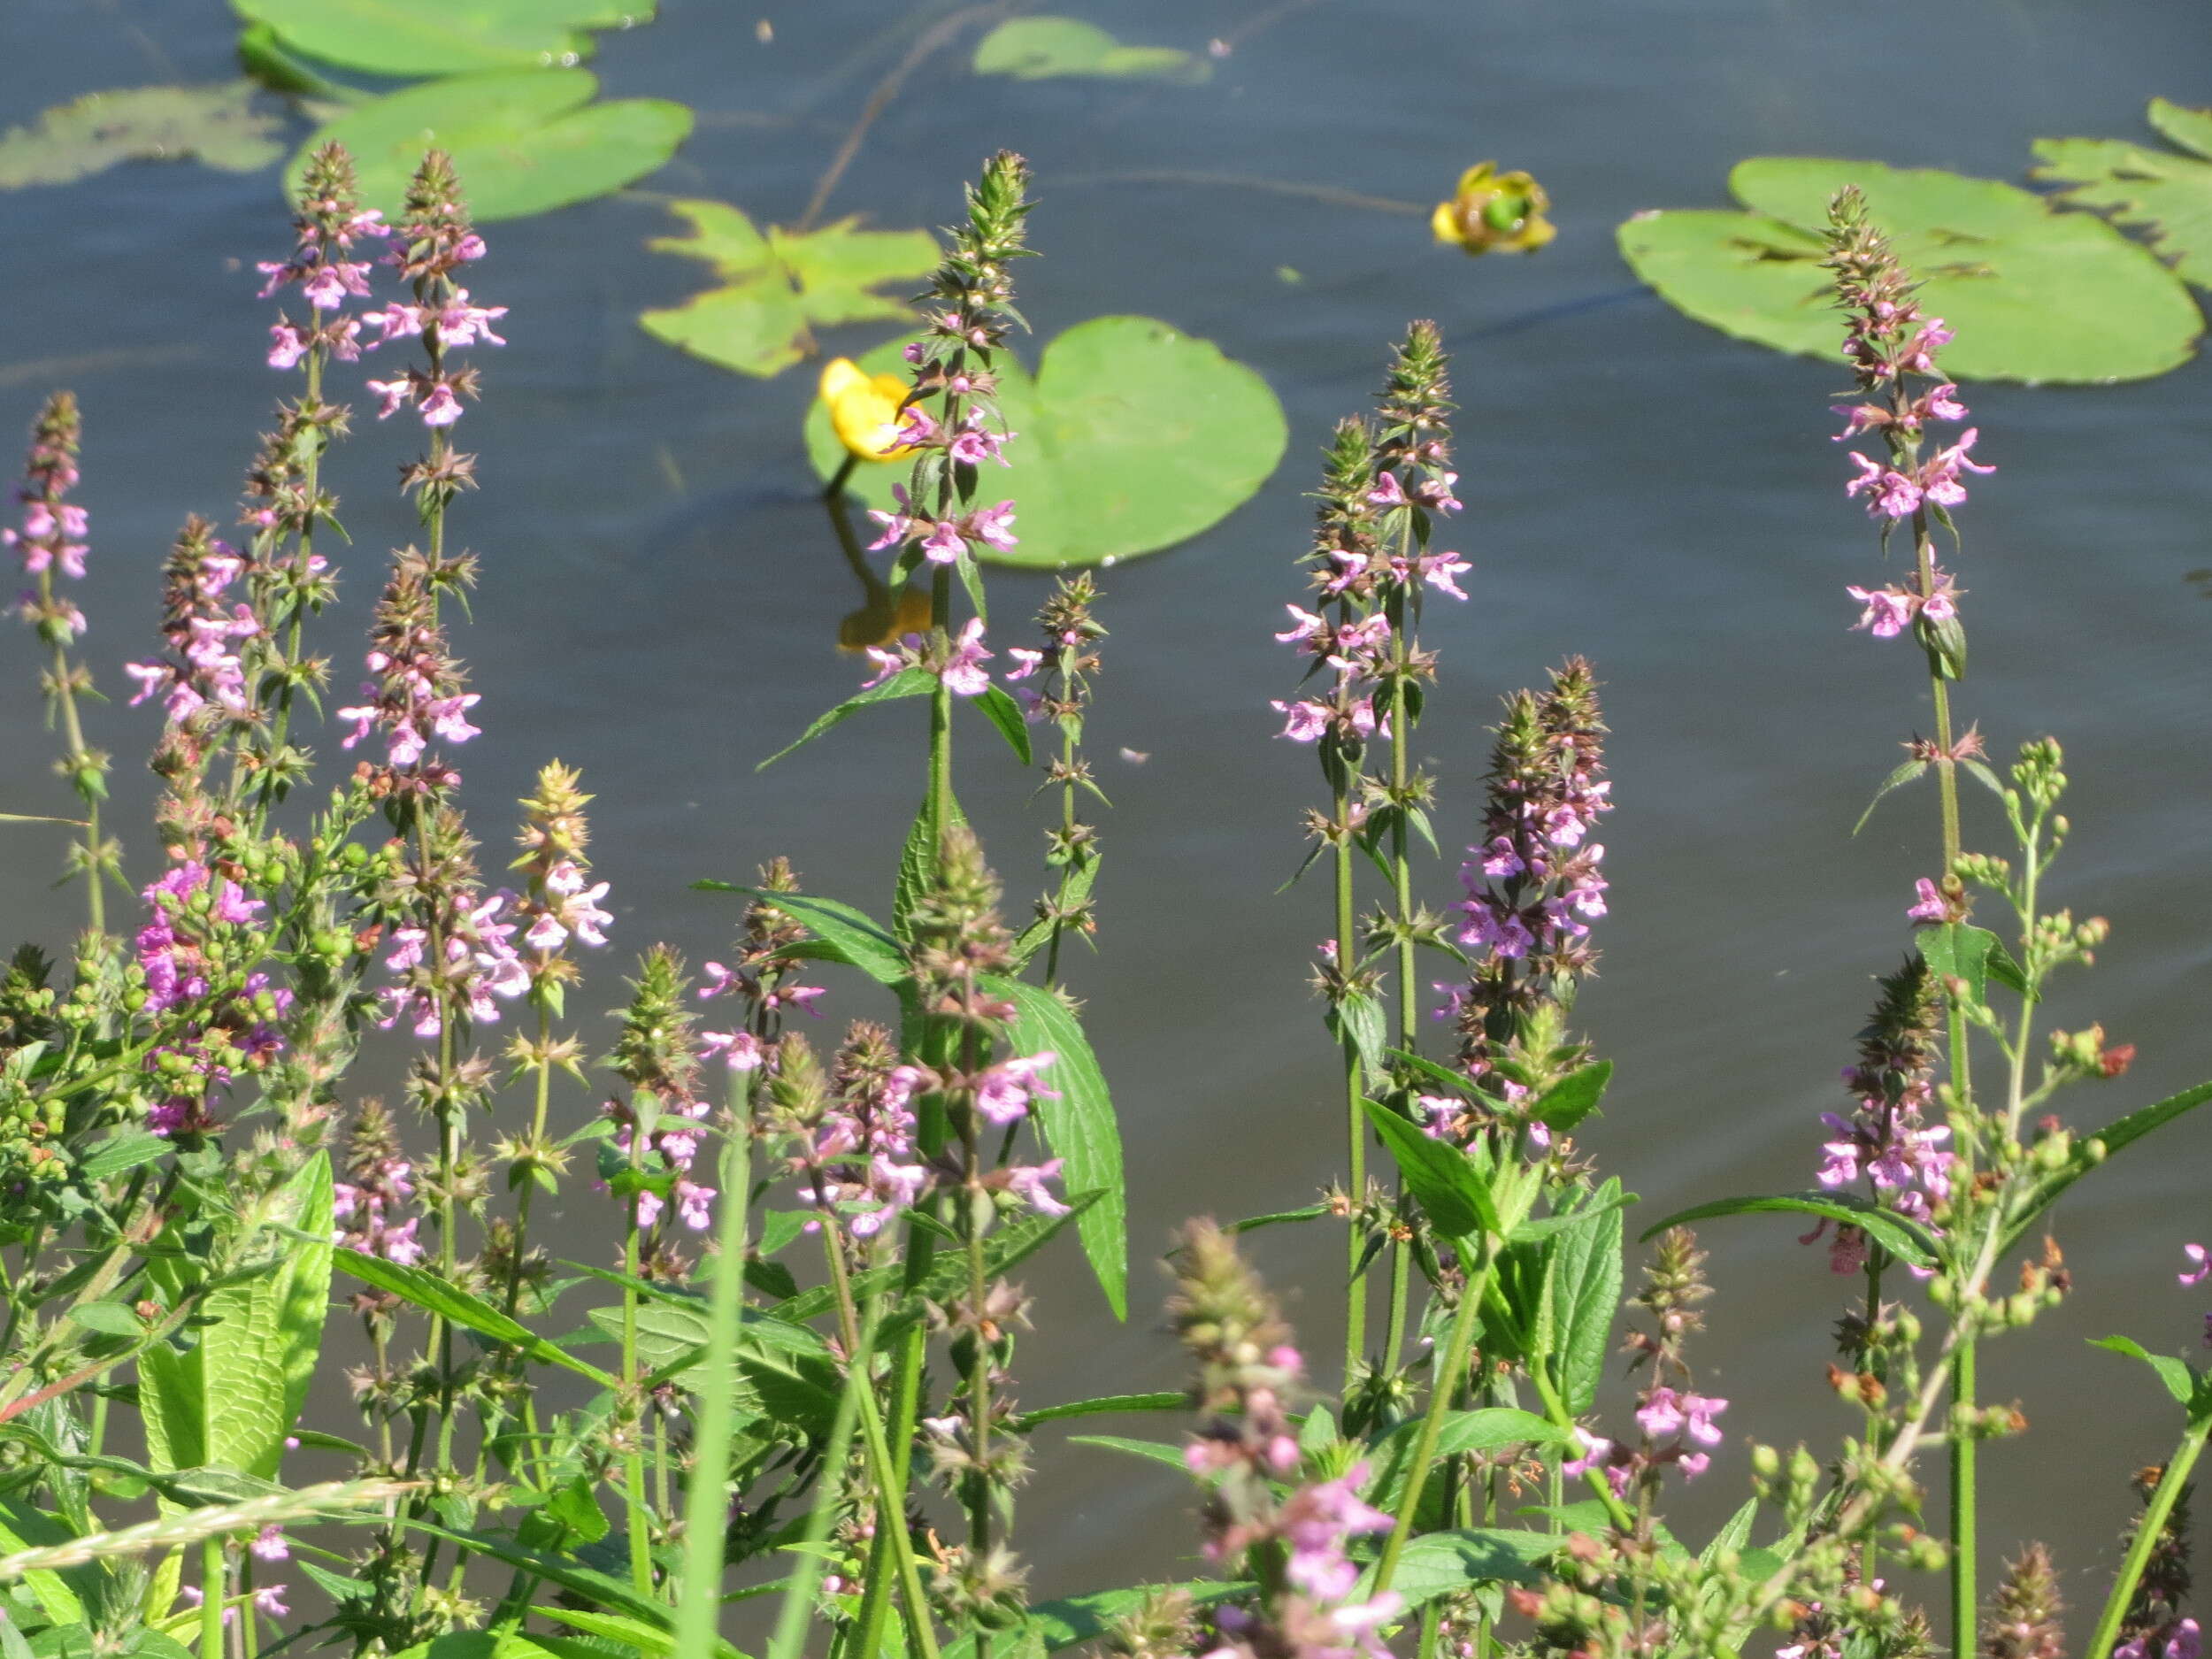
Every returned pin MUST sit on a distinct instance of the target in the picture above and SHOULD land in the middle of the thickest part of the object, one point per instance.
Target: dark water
(660, 598)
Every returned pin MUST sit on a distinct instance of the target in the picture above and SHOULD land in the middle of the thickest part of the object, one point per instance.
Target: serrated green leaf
(1574, 1097)
(854, 936)
(2033, 293)
(1454, 1192)
(1488, 1429)
(779, 287)
(1584, 1275)
(1443, 1563)
(908, 682)
(444, 37)
(1901, 1238)
(109, 1318)
(2091, 1151)
(1132, 437)
(523, 141)
(1304, 1212)
(2180, 1381)
(1078, 1124)
(1361, 1019)
(432, 1294)
(1006, 714)
(216, 125)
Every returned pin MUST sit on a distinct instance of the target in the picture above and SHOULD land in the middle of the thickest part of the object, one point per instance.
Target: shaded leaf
(432, 1294)
(215, 124)
(2034, 294)
(1574, 1097)
(1489, 1429)
(1002, 711)
(1132, 437)
(1901, 1238)
(523, 141)
(444, 37)
(1583, 1275)
(2166, 196)
(854, 938)
(1040, 49)
(780, 285)
(1440, 1563)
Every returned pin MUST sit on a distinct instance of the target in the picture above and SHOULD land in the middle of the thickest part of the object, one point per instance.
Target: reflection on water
(662, 593)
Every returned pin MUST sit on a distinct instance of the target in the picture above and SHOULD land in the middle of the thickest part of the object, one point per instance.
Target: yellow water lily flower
(1492, 210)
(864, 409)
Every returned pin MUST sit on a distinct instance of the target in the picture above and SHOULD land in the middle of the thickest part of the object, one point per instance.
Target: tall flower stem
(638, 1516)
(1354, 1092)
(2148, 1531)
(1458, 1350)
(706, 1497)
(84, 768)
(797, 1611)
(213, 1593)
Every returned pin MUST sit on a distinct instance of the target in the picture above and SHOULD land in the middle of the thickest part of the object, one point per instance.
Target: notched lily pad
(2034, 294)
(1132, 437)
(1042, 49)
(780, 285)
(445, 37)
(524, 141)
(216, 125)
(2166, 196)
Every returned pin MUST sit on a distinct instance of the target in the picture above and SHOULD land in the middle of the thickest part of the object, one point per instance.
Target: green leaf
(1133, 437)
(1040, 49)
(1454, 1192)
(1152, 1451)
(908, 682)
(1953, 950)
(1004, 1247)
(2094, 1149)
(523, 141)
(227, 1402)
(1574, 1097)
(1078, 1126)
(23, 1527)
(124, 1149)
(2034, 293)
(216, 125)
(1361, 1017)
(1304, 1212)
(444, 37)
(1101, 1405)
(587, 1582)
(109, 1318)
(1902, 1238)
(1904, 774)
(784, 1370)
(2165, 196)
(1489, 1429)
(777, 287)
(1440, 1563)
(1584, 1287)
(918, 861)
(1006, 714)
(432, 1294)
(1734, 1535)
(852, 935)
(2180, 1381)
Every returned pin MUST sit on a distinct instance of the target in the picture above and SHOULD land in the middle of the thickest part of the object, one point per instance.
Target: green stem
(212, 1593)
(906, 1392)
(2147, 1532)
(81, 774)
(797, 1610)
(637, 1516)
(1964, 1603)
(1460, 1344)
(1355, 1287)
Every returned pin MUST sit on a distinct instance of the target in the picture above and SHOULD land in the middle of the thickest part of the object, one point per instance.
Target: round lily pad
(2034, 294)
(1133, 436)
(444, 37)
(523, 140)
(2167, 194)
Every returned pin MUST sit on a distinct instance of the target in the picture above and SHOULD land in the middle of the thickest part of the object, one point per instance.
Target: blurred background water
(660, 597)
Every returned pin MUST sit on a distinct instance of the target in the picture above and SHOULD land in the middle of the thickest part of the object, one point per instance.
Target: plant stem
(212, 1592)
(797, 1607)
(1355, 1288)
(706, 1496)
(1454, 1363)
(2147, 1532)
(637, 1516)
(82, 773)
(906, 1387)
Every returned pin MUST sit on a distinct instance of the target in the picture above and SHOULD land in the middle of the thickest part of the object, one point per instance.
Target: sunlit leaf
(523, 141)
(1133, 436)
(2165, 194)
(444, 37)
(216, 125)
(2033, 293)
(1039, 49)
(778, 286)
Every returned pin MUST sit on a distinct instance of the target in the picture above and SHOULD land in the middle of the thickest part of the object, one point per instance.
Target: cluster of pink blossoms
(329, 227)
(945, 540)
(960, 665)
(1534, 883)
(367, 1207)
(2184, 1640)
(51, 534)
(481, 967)
(1676, 1417)
(861, 1160)
(192, 931)
(675, 1135)
(434, 242)
(204, 629)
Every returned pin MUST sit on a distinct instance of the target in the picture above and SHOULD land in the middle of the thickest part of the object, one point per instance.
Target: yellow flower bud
(1492, 210)
(864, 409)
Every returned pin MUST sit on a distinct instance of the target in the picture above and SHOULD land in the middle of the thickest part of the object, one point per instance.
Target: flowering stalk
(1888, 343)
(1069, 633)
(2148, 1613)
(51, 538)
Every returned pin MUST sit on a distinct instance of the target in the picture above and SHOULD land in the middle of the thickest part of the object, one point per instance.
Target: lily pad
(445, 37)
(1133, 436)
(2169, 196)
(780, 285)
(524, 141)
(215, 124)
(2034, 294)
(1040, 49)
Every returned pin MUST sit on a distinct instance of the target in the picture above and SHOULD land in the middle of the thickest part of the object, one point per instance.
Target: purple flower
(1002, 1092)
(1303, 721)
(942, 545)
(1888, 612)
(269, 1545)
(975, 442)
(962, 672)
(1664, 1413)
(1932, 905)
(1442, 571)
(1030, 662)
(2202, 1261)
(993, 525)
